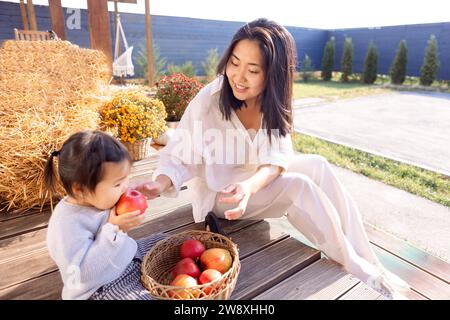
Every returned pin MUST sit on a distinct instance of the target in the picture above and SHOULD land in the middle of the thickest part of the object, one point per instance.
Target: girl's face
(245, 71)
(115, 181)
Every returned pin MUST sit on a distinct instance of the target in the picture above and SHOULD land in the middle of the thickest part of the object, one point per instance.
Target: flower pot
(140, 149)
(164, 138)
(172, 124)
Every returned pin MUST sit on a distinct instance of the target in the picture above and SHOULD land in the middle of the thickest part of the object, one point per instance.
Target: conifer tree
(328, 60)
(398, 68)
(347, 60)
(371, 64)
(306, 68)
(430, 66)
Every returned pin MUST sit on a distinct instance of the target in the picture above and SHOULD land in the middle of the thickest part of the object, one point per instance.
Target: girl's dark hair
(80, 160)
(279, 58)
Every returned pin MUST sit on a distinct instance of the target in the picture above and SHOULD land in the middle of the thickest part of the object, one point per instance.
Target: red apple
(131, 200)
(185, 281)
(191, 248)
(186, 266)
(209, 275)
(216, 258)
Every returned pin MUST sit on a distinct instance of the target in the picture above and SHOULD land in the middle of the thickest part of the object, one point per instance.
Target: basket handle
(212, 224)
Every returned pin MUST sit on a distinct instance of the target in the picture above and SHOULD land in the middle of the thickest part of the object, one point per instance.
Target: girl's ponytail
(49, 172)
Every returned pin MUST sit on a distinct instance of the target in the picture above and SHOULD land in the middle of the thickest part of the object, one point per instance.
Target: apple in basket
(216, 258)
(131, 200)
(209, 275)
(186, 266)
(191, 248)
(185, 281)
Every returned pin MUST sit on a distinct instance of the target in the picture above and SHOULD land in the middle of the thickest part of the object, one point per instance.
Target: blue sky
(325, 14)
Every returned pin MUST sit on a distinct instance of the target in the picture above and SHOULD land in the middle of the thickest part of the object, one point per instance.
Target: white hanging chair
(123, 64)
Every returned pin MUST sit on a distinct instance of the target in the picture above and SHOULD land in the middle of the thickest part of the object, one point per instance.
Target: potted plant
(176, 91)
(135, 120)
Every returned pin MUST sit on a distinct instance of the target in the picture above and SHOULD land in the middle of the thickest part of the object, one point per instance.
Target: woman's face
(245, 71)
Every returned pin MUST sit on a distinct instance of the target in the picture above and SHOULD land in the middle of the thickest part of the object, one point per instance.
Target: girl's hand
(126, 221)
(240, 193)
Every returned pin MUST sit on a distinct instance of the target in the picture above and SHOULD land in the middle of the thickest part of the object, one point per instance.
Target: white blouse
(209, 153)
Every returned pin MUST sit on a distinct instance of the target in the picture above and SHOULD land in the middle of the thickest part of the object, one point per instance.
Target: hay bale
(48, 91)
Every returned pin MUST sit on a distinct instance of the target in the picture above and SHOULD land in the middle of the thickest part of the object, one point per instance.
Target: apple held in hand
(186, 266)
(131, 200)
(216, 258)
(191, 248)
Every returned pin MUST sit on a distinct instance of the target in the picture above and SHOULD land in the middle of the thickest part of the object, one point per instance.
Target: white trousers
(320, 208)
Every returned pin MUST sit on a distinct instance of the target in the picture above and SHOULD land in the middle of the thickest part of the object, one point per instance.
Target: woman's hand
(153, 189)
(150, 190)
(126, 221)
(240, 193)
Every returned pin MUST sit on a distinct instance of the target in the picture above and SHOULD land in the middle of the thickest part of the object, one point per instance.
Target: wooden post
(57, 17)
(31, 15)
(148, 28)
(116, 11)
(99, 28)
(23, 13)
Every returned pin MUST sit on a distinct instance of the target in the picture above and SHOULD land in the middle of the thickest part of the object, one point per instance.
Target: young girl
(251, 101)
(86, 239)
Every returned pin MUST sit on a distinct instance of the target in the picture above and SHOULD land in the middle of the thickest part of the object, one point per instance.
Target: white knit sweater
(88, 251)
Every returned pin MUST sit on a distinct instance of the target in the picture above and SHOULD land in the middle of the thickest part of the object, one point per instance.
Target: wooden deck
(274, 265)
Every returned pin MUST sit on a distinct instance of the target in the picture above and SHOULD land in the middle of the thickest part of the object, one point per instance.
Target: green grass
(418, 181)
(334, 90)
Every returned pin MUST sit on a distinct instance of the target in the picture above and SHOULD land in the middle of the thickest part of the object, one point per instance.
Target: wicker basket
(140, 149)
(160, 260)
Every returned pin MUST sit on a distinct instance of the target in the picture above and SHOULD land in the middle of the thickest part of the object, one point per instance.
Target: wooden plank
(41, 288)
(322, 280)
(250, 236)
(420, 281)
(266, 268)
(46, 287)
(18, 224)
(31, 15)
(149, 42)
(181, 216)
(362, 292)
(57, 18)
(16, 227)
(99, 28)
(23, 14)
(409, 253)
(25, 257)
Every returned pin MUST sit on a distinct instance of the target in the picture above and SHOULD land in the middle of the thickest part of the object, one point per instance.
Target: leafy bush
(176, 91)
(134, 116)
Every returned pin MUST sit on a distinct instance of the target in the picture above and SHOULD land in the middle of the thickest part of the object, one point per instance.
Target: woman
(233, 147)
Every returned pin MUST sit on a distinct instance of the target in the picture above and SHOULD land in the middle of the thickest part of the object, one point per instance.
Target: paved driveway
(410, 126)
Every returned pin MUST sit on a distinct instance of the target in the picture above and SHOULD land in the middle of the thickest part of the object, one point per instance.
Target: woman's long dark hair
(279, 59)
